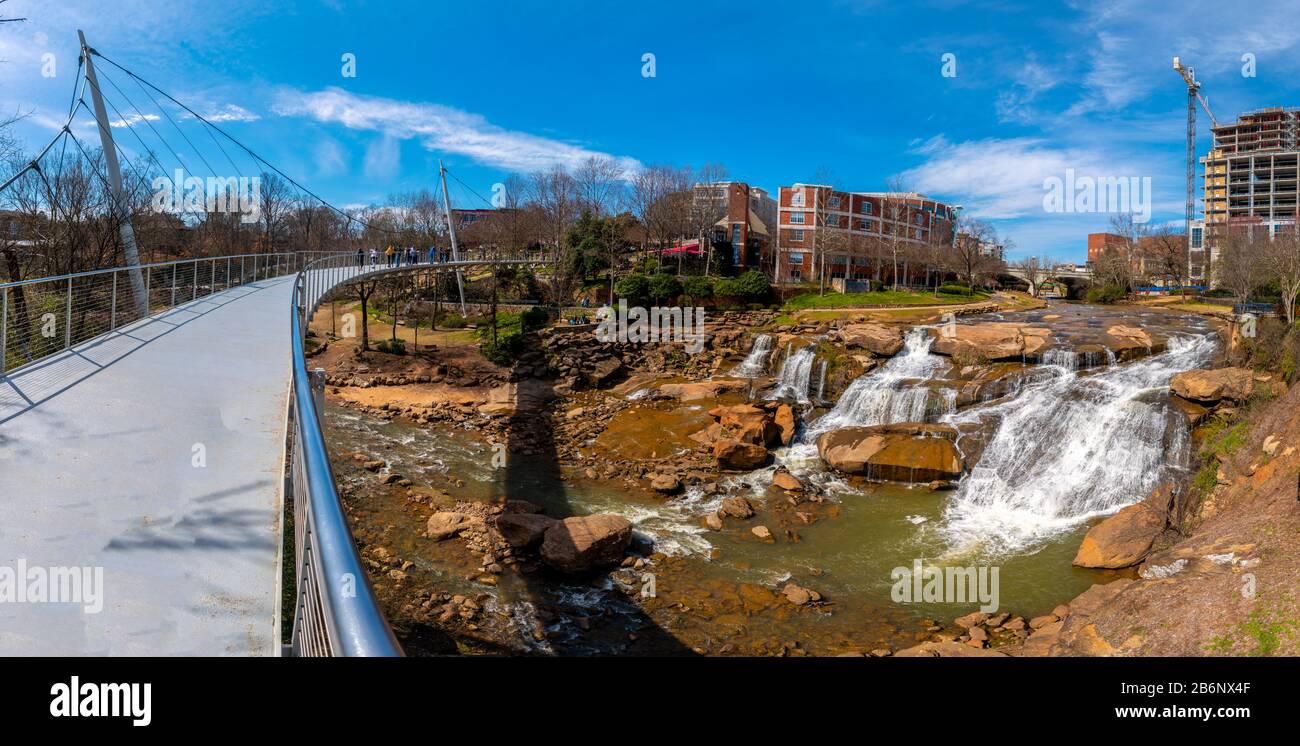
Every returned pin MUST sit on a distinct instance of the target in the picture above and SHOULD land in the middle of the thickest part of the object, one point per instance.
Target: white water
(889, 393)
(755, 363)
(1071, 447)
(795, 376)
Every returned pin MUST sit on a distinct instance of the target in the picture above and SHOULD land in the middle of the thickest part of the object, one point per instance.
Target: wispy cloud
(437, 128)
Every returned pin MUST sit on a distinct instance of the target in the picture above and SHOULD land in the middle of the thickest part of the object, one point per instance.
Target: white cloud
(231, 113)
(438, 128)
(130, 121)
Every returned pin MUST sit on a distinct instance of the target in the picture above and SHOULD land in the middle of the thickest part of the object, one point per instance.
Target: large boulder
(878, 339)
(993, 341)
(1128, 342)
(738, 456)
(1125, 539)
(748, 424)
(1235, 384)
(785, 423)
(902, 452)
(702, 389)
(585, 543)
(603, 371)
(524, 530)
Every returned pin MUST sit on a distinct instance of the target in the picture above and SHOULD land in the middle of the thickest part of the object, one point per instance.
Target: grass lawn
(879, 298)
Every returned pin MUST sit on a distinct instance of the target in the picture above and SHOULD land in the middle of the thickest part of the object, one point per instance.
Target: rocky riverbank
(650, 439)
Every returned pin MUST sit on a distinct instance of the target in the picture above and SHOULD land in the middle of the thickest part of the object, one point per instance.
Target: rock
(445, 524)
(799, 595)
(701, 390)
(584, 543)
(973, 619)
(373, 465)
(665, 483)
(732, 454)
(1039, 622)
(878, 339)
(748, 424)
(1234, 384)
(787, 481)
(603, 371)
(785, 423)
(524, 530)
(713, 521)
(904, 452)
(736, 507)
(947, 650)
(390, 478)
(993, 341)
(1125, 539)
(761, 532)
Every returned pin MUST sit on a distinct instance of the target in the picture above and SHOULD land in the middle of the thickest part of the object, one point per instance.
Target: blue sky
(776, 92)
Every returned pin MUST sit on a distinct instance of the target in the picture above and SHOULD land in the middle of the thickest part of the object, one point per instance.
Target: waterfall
(755, 364)
(1071, 447)
(821, 382)
(894, 392)
(795, 376)
(1062, 357)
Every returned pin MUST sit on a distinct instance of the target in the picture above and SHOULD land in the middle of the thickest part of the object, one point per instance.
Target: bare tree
(1034, 271)
(1281, 262)
(707, 207)
(556, 196)
(276, 199)
(660, 199)
(599, 183)
(1166, 249)
(1240, 266)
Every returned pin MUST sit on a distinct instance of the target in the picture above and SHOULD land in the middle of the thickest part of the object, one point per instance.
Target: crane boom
(1194, 97)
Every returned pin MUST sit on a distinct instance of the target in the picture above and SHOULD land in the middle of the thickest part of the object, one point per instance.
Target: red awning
(690, 247)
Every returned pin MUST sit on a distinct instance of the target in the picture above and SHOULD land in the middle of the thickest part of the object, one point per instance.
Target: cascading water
(1071, 447)
(795, 376)
(891, 393)
(755, 363)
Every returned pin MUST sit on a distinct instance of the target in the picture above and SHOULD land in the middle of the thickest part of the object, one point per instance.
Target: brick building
(745, 214)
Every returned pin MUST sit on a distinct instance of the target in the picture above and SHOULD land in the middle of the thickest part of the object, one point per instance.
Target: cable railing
(46, 316)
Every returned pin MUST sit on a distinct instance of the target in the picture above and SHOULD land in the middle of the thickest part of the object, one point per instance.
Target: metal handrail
(335, 610)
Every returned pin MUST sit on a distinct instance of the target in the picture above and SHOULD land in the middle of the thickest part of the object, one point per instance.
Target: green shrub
(752, 285)
(697, 287)
(392, 346)
(955, 288)
(506, 349)
(663, 287)
(535, 318)
(1106, 294)
(635, 287)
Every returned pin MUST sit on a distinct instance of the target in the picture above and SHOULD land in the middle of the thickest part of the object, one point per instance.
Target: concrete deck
(97, 469)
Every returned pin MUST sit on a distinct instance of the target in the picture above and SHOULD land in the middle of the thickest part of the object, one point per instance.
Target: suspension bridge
(160, 428)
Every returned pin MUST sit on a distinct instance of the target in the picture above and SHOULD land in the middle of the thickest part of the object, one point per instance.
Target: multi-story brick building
(817, 220)
(744, 213)
(1251, 181)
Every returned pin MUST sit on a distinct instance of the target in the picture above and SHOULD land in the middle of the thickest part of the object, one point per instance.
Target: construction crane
(1193, 97)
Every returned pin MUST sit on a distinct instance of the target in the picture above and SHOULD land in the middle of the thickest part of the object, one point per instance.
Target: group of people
(395, 257)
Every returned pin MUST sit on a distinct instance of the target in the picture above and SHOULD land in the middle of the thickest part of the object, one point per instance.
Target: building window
(866, 208)
(796, 257)
(864, 225)
(795, 274)
(832, 222)
(1196, 238)
(796, 235)
(796, 218)
(797, 198)
(834, 203)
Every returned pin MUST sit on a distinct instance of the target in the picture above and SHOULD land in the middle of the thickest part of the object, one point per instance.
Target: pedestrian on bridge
(391, 254)
(361, 257)
(412, 255)
(433, 254)
(374, 256)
